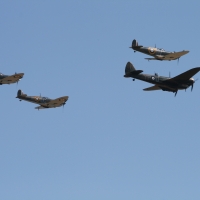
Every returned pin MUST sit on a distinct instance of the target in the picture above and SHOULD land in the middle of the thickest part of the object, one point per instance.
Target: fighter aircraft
(8, 79)
(44, 102)
(157, 53)
(180, 82)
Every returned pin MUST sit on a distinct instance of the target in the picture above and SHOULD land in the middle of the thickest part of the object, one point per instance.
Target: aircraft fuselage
(160, 80)
(35, 99)
(152, 51)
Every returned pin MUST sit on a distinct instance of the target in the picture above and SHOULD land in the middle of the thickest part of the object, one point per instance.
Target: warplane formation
(180, 82)
(44, 102)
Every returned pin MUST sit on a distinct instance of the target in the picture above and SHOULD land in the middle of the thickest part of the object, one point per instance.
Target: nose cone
(192, 80)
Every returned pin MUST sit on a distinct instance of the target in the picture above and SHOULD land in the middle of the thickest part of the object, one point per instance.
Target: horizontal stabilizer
(136, 47)
(155, 87)
(136, 72)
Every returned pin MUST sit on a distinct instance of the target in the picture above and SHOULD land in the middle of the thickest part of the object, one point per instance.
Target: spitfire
(8, 79)
(44, 102)
(180, 82)
(157, 53)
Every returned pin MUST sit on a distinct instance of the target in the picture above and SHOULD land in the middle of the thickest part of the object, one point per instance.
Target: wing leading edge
(175, 55)
(12, 79)
(58, 102)
(184, 76)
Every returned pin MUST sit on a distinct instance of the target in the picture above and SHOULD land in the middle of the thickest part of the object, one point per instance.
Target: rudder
(129, 68)
(134, 43)
(20, 93)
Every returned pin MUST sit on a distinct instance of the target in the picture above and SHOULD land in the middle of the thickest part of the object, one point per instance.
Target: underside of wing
(40, 107)
(11, 79)
(151, 59)
(57, 102)
(175, 55)
(155, 87)
(184, 76)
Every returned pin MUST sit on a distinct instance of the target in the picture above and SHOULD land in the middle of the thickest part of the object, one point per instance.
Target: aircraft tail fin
(135, 44)
(130, 70)
(20, 93)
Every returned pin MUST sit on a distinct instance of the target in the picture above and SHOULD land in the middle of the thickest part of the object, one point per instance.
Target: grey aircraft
(8, 79)
(157, 53)
(44, 102)
(180, 82)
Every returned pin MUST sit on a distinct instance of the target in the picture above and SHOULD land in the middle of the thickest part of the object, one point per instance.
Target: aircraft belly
(29, 100)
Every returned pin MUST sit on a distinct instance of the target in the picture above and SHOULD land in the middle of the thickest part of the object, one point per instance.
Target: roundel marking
(152, 50)
(153, 78)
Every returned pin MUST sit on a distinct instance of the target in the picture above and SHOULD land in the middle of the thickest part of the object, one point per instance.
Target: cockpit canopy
(161, 49)
(45, 98)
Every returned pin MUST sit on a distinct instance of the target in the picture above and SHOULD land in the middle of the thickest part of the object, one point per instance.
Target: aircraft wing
(57, 102)
(40, 107)
(12, 79)
(184, 76)
(151, 59)
(175, 55)
(155, 87)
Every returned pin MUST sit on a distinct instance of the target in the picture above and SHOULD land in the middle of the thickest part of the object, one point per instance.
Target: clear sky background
(112, 140)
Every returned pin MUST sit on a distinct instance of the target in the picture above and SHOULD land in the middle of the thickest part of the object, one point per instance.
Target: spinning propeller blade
(193, 84)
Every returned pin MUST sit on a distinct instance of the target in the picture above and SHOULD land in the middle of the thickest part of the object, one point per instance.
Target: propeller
(63, 105)
(18, 79)
(177, 61)
(193, 84)
(169, 74)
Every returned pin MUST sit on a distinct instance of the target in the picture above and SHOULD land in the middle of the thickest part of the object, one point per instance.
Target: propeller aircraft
(8, 79)
(157, 53)
(180, 82)
(44, 102)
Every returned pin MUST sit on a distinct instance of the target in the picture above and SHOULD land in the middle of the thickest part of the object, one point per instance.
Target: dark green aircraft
(8, 79)
(44, 102)
(158, 54)
(180, 82)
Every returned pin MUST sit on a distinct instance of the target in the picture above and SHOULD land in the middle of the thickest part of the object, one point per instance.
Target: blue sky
(112, 140)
